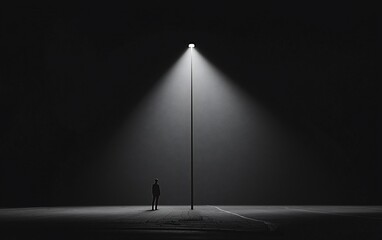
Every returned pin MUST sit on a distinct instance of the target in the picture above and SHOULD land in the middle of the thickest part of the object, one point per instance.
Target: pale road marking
(335, 214)
(270, 226)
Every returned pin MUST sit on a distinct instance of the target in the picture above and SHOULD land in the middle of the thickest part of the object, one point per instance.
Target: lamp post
(191, 46)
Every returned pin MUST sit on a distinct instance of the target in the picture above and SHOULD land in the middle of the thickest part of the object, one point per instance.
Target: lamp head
(191, 45)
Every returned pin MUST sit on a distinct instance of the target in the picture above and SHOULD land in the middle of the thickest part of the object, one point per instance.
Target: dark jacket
(156, 189)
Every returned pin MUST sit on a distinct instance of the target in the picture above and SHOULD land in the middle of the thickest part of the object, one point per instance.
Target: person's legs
(152, 204)
(156, 202)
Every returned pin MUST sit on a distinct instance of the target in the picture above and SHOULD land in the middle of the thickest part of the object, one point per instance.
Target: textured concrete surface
(205, 222)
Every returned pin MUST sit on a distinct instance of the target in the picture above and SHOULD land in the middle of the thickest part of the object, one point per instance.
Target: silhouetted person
(156, 194)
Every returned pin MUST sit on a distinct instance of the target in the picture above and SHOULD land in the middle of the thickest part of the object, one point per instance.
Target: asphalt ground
(204, 222)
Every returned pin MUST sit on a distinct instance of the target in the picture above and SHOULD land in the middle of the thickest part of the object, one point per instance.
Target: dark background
(63, 90)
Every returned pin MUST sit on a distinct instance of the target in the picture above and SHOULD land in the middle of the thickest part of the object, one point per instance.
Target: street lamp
(191, 46)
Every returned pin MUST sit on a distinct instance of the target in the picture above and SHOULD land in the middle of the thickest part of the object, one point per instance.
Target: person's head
(156, 180)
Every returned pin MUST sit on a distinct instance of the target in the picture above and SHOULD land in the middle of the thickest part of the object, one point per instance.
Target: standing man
(156, 194)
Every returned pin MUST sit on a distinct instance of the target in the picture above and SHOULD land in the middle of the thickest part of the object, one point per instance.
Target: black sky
(71, 74)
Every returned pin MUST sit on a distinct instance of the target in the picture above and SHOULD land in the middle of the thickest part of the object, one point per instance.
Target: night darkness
(73, 76)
